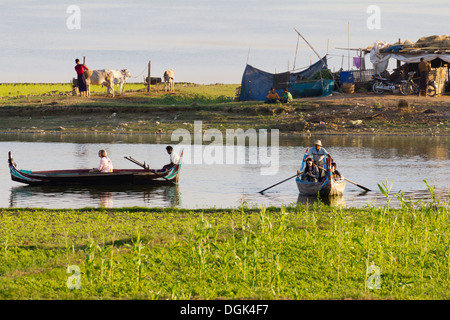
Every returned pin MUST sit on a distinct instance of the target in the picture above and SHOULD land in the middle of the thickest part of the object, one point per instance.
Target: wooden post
(148, 75)
(88, 90)
(348, 44)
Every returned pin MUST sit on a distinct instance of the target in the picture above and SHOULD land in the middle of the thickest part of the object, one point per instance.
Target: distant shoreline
(160, 112)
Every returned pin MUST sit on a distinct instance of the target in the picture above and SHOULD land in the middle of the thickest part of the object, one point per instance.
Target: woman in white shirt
(105, 163)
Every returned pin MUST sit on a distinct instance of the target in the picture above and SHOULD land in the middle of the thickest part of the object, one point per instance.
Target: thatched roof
(430, 44)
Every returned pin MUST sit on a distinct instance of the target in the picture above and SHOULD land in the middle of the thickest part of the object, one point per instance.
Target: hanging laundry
(357, 62)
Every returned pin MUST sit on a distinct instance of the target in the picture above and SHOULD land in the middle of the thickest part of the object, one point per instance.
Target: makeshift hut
(256, 83)
(434, 49)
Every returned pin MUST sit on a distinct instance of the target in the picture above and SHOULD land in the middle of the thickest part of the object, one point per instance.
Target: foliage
(19, 89)
(323, 74)
(301, 252)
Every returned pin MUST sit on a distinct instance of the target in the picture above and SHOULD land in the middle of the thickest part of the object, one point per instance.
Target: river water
(401, 161)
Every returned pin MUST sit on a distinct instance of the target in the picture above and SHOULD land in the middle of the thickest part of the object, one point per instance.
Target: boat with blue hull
(143, 176)
(328, 186)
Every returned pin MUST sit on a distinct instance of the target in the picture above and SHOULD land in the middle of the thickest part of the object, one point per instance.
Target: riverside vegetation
(293, 252)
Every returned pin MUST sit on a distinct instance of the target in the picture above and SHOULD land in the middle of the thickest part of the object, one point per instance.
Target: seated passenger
(311, 172)
(105, 163)
(272, 97)
(334, 173)
(174, 159)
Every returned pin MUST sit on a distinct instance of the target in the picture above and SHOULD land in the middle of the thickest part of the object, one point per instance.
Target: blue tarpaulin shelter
(256, 83)
(313, 88)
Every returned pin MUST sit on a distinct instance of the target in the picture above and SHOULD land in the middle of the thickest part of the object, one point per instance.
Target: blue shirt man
(318, 153)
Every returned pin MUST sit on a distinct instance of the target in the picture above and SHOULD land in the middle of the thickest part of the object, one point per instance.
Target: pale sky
(204, 41)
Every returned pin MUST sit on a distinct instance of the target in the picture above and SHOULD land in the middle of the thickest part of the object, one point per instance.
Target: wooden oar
(301, 169)
(146, 167)
(277, 183)
(358, 185)
(143, 165)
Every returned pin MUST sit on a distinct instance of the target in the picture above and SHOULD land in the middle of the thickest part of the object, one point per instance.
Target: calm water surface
(403, 161)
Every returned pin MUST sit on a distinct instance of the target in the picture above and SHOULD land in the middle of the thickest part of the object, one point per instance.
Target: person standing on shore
(82, 86)
(424, 69)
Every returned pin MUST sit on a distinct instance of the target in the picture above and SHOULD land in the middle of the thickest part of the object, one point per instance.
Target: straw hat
(318, 142)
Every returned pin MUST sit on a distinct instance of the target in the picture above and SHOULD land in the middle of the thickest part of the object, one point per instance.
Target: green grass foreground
(301, 252)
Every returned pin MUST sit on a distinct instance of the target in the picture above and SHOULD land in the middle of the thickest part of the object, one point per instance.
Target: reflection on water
(332, 201)
(368, 161)
(102, 196)
(379, 147)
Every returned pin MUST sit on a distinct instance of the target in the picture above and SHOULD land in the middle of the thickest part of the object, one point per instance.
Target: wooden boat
(84, 177)
(327, 187)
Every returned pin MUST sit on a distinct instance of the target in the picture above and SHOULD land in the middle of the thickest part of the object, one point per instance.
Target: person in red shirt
(79, 68)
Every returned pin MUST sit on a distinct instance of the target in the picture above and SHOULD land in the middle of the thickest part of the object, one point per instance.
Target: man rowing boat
(318, 153)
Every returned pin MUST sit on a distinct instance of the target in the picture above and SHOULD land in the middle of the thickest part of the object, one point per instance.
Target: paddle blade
(358, 185)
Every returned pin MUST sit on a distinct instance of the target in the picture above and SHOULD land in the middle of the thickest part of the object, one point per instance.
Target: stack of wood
(348, 87)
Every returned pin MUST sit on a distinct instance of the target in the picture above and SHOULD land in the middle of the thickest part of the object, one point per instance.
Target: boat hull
(84, 177)
(328, 187)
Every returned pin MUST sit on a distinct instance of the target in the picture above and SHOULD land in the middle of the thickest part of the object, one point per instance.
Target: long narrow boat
(327, 187)
(84, 177)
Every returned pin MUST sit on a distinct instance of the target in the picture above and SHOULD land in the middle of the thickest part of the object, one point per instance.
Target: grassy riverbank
(303, 252)
(45, 108)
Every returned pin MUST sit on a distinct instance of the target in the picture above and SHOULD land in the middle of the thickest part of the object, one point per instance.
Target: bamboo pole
(310, 46)
(296, 50)
(315, 53)
(148, 75)
(348, 44)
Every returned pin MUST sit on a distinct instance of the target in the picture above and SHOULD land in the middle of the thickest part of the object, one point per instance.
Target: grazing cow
(120, 78)
(102, 78)
(169, 80)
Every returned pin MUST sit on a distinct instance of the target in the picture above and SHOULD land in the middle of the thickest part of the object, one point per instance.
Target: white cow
(169, 80)
(120, 78)
(102, 78)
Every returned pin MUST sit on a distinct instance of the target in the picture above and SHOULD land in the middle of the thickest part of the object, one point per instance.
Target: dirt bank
(138, 112)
